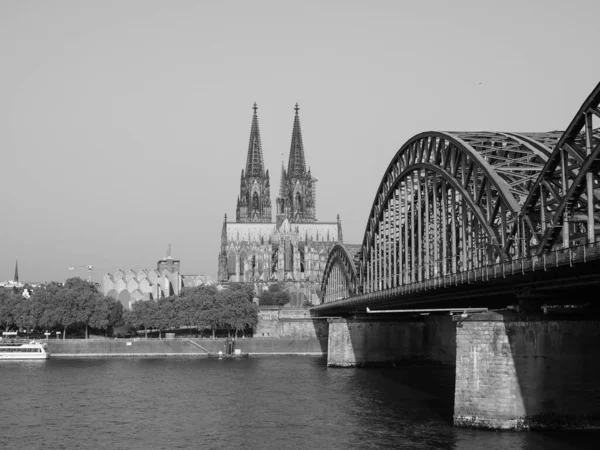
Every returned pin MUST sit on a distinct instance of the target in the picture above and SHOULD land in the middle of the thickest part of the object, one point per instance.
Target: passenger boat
(15, 349)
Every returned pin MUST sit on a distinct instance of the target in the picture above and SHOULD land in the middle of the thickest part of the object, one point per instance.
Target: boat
(236, 354)
(23, 349)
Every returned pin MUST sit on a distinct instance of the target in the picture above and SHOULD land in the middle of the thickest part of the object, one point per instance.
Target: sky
(124, 125)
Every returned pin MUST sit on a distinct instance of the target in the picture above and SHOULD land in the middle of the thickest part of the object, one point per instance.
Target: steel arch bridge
(456, 204)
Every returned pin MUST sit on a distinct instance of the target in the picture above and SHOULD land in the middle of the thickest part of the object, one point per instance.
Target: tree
(188, 310)
(99, 316)
(239, 312)
(82, 304)
(47, 299)
(275, 295)
(8, 308)
(115, 314)
(166, 314)
(209, 313)
(245, 289)
(141, 315)
(203, 307)
(67, 309)
(27, 313)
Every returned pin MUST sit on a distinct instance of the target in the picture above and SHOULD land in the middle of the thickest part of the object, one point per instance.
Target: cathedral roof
(252, 232)
(296, 163)
(254, 161)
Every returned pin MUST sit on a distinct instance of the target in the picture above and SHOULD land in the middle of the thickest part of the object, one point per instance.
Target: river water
(274, 402)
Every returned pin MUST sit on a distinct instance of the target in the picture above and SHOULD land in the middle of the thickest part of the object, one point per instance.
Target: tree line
(202, 307)
(77, 305)
(74, 304)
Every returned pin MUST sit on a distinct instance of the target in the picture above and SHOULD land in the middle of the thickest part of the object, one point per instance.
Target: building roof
(253, 232)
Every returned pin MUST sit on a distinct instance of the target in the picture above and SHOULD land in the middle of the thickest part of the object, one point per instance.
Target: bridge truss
(451, 203)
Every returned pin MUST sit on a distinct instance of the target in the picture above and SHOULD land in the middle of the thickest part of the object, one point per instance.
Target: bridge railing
(556, 258)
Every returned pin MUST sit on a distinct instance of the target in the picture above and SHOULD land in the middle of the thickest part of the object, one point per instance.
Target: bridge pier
(527, 371)
(364, 341)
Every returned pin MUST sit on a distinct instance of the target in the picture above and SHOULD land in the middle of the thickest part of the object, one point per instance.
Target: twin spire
(255, 162)
(296, 198)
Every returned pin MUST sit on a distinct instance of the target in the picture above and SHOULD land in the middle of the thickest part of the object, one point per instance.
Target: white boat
(15, 349)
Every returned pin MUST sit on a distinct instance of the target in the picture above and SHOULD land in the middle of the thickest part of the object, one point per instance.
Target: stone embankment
(140, 347)
(279, 331)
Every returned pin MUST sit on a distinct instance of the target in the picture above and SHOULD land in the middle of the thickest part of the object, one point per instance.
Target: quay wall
(182, 347)
(290, 323)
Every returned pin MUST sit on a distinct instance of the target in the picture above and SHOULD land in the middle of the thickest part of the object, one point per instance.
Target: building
(129, 286)
(293, 248)
(15, 281)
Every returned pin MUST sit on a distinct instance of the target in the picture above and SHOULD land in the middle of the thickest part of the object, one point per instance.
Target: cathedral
(292, 249)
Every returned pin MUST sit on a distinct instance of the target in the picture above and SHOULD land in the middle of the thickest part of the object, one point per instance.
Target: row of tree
(75, 303)
(203, 307)
(78, 304)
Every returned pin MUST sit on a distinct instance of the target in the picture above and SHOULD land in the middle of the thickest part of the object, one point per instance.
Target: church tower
(296, 199)
(254, 201)
(222, 271)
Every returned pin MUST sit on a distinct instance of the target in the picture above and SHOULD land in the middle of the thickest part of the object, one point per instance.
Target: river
(274, 402)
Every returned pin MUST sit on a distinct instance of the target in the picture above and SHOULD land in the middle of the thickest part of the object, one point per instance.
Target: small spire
(16, 279)
(169, 252)
(282, 180)
(224, 235)
(297, 108)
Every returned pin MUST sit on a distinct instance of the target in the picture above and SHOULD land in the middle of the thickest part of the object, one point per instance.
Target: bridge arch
(455, 206)
(563, 206)
(340, 277)
(446, 204)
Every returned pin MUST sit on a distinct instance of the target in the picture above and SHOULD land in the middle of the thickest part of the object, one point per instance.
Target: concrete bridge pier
(516, 371)
(366, 341)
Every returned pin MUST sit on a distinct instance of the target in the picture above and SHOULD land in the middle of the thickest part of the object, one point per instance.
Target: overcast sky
(124, 125)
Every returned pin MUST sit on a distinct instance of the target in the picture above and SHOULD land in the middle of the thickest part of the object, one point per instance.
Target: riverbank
(139, 347)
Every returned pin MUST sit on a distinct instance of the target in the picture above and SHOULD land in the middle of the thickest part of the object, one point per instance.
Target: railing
(556, 258)
(141, 338)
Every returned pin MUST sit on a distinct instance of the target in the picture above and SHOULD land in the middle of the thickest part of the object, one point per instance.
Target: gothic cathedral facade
(292, 249)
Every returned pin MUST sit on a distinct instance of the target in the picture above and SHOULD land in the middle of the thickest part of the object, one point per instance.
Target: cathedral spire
(296, 164)
(282, 179)
(254, 202)
(254, 162)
